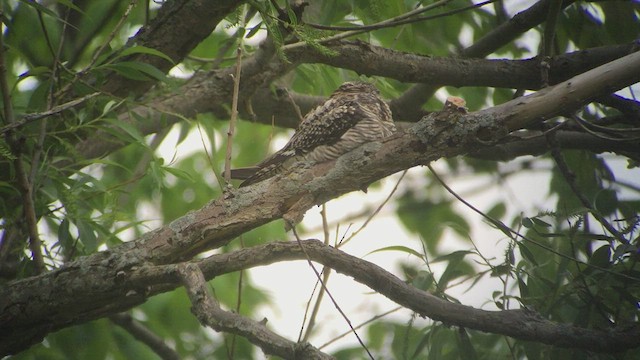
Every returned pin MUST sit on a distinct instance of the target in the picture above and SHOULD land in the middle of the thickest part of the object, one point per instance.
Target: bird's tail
(244, 173)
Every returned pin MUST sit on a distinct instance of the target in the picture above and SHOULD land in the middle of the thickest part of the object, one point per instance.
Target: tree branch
(22, 179)
(207, 91)
(372, 60)
(177, 29)
(144, 335)
(520, 324)
(534, 143)
(209, 313)
(411, 101)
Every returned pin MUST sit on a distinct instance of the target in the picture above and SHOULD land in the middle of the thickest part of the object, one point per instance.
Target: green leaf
(540, 223)
(601, 257)
(178, 173)
(497, 211)
(430, 219)
(526, 253)
(423, 280)
(606, 202)
(136, 71)
(254, 30)
(132, 131)
(41, 8)
(71, 5)
(64, 236)
(522, 286)
(87, 236)
(139, 49)
(400, 248)
(467, 351)
(456, 267)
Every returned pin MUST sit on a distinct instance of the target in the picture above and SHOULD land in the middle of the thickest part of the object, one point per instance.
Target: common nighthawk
(353, 115)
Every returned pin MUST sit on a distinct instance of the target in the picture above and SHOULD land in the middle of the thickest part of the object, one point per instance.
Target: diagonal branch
(209, 313)
(413, 99)
(205, 92)
(177, 29)
(144, 335)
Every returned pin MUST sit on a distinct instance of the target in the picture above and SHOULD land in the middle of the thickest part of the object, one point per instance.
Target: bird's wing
(325, 125)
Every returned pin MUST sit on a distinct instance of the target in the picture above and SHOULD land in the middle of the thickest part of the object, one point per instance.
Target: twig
(35, 244)
(333, 300)
(144, 335)
(360, 326)
(238, 304)
(209, 313)
(326, 272)
(550, 28)
(53, 111)
(234, 107)
(586, 125)
(504, 228)
(325, 223)
(546, 47)
(569, 177)
(295, 106)
(385, 22)
(370, 217)
(112, 35)
(106, 43)
(403, 19)
(42, 132)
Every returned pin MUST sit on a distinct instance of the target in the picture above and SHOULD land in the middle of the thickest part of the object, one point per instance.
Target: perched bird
(353, 115)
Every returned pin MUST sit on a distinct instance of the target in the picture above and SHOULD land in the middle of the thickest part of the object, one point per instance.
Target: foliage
(569, 253)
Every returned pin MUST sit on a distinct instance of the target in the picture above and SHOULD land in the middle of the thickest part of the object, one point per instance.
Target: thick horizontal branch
(571, 94)
(535, 143)
(519, 324)
(32, 307)
(372, 60)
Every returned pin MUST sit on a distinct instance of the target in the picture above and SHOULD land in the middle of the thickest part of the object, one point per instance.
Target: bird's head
(356, 87)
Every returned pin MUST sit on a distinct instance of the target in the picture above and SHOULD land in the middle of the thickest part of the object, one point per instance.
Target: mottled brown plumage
(353, 115)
